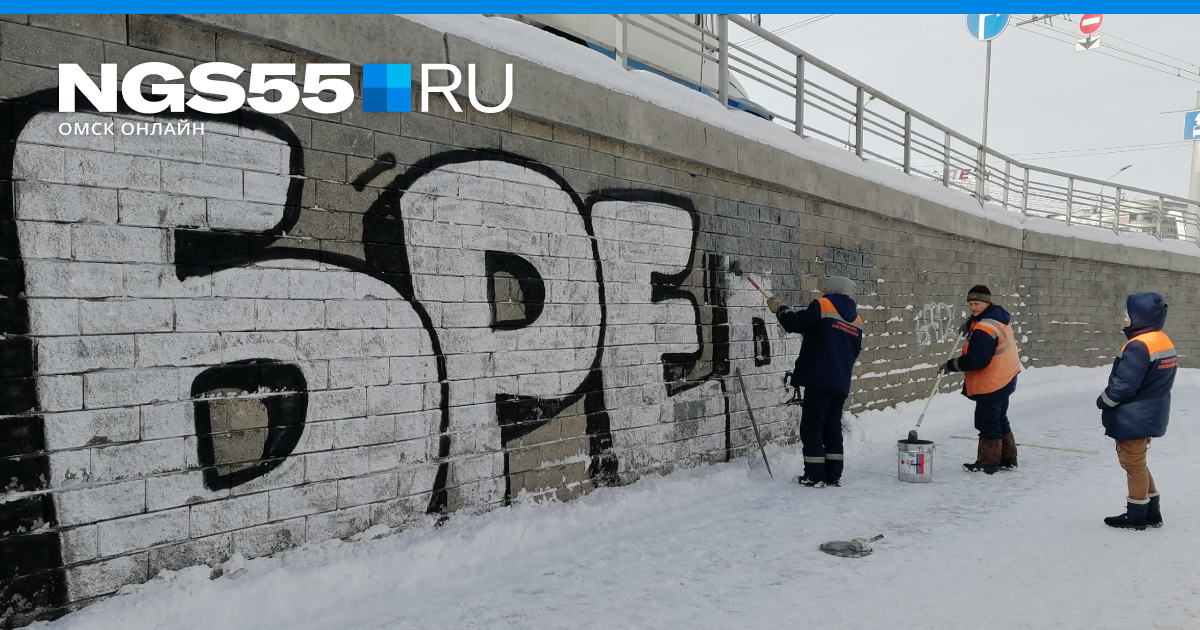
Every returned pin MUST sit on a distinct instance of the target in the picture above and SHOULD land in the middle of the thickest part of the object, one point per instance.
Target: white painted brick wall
(142, 532)
(87, 428)
(103, 317)
(159, 210)
(101, 502)
(214, 315)
(130, 387)
(310, 498)
(65, 355)
(227, 515)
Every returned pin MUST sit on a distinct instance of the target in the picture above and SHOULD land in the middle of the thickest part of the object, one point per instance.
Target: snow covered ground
(726, 547)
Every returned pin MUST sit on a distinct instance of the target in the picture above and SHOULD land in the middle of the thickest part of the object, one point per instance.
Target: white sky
(1044, 95)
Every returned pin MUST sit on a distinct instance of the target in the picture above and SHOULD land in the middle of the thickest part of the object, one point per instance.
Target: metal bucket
(915, 460)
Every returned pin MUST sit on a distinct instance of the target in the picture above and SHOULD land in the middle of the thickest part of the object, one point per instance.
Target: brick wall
(294, 327)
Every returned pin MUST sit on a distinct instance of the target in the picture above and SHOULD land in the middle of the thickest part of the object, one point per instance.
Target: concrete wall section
(294, 327)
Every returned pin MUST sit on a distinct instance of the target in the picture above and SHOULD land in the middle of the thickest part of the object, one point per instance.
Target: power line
(1072, 36)
(1101, 52)
(783, 30)
(1126, 146)
(1119, 49)
(1057, 157)
(1059, 31)
(1068, 153)
(1157, 52)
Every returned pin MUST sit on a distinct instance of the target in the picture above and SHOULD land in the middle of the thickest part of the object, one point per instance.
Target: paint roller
(736, 269)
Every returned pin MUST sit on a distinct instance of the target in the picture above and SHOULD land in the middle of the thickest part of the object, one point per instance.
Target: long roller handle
(937, 382)
(755, 284)
(750, 411)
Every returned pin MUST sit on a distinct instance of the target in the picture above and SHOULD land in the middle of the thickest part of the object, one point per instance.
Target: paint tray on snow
(856, 548)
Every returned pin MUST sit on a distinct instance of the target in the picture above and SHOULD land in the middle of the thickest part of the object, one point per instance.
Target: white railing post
(623, 54)
(907, 143)
(723, 59)
(1025, 194)
(1007, 183)
(981, 171)
(800, 95)
(1117, 213)
(1159, 231)
(860, 105)
(946, 161)
(1070, 197)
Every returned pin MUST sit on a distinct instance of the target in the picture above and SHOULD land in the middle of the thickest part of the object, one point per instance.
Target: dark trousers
(991, 412)
(821, 434)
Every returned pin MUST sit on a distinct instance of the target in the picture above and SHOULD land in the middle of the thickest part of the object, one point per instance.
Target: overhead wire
(1068, 153)
(1129, 41)
(783, 30)
(1119, 49)
(1061, 41)
(1057, 157)
(1049, 31)
(1126, 146)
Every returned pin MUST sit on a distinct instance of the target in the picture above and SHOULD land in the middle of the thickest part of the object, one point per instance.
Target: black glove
(965, 329)
(1100, 404)
(948, 367)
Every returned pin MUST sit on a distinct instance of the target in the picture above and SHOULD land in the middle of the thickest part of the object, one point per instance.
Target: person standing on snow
(990, 364)
(832, 333)
(1137, 404)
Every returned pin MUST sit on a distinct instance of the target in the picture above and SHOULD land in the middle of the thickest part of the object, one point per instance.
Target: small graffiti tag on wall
(934, 323)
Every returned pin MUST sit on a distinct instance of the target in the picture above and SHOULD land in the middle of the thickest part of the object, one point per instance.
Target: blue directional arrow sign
(1191, 126)
(985, 26)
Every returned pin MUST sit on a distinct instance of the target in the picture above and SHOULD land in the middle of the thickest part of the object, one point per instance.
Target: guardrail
(880, 128)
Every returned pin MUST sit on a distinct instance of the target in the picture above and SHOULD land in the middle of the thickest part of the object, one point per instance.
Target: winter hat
(979, 293)
(839, 285)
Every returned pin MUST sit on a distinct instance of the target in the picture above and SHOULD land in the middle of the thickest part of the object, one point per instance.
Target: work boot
(833, 482)
(1133, 518)
(809, 482)
(1153, 514)
(987, 458)
(1008, 452)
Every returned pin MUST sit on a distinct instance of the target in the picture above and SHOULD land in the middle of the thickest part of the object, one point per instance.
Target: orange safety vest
(829, 311)
(1005, 364)
(1158, 344)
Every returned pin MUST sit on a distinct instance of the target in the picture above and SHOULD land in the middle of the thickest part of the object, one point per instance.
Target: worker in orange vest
(832, 333)
(1137, 404)
(990, 364)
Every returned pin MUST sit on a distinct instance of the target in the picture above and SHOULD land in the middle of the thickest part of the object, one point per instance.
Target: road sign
(1090, 23)
(1088, 43)
(1191, 126)
(985, 26)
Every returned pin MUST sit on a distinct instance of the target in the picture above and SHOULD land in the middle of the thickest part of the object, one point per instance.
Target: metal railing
(882, 129)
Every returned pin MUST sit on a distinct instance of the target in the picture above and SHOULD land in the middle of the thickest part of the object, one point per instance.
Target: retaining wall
(294, 327)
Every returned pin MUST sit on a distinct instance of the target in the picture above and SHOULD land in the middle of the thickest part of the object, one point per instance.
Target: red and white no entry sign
(1090, 23)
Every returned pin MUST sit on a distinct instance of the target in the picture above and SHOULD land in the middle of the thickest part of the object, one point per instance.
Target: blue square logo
(387, 87)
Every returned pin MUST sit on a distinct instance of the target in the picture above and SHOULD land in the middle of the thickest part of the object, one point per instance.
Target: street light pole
(987, 85)
(1100, 198)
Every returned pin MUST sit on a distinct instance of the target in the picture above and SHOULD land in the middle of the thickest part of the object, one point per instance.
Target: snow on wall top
(553, 52)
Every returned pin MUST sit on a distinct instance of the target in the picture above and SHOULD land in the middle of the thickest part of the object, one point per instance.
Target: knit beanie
(979, 293)
(839, 285)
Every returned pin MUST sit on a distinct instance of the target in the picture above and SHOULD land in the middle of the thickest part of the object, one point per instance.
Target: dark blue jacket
(981, 347)
(830, 346)
(1137, 401)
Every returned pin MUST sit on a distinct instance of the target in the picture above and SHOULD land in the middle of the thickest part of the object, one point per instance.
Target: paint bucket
(915, 460)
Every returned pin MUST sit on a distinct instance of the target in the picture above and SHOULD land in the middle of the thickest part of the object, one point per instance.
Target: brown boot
(1008, 452)
(987, 459)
